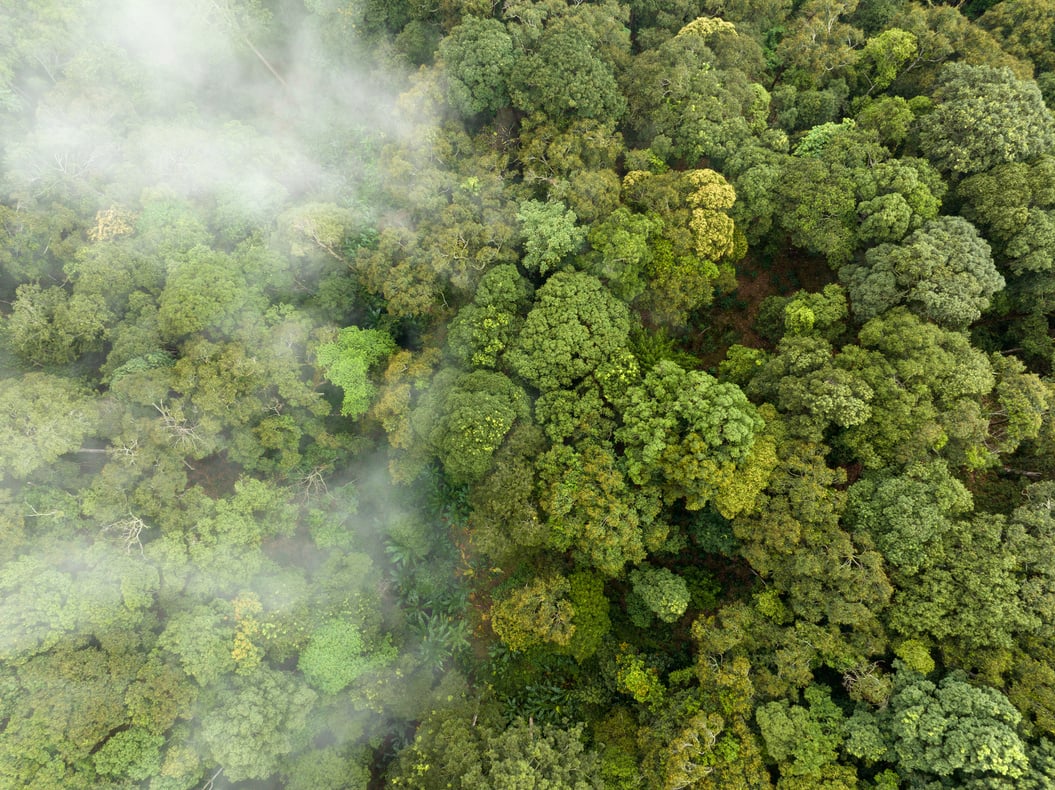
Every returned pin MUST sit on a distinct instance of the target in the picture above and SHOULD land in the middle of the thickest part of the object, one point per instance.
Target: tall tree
(943, 272)
(574, 326)
(686, 432)
(983, 117)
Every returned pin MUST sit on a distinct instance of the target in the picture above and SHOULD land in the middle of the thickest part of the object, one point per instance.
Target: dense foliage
(538, 394)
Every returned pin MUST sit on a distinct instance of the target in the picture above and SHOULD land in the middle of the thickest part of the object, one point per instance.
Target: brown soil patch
(732, 316)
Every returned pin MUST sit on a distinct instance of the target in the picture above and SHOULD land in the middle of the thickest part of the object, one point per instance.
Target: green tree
(47, 326)
(970, 600)
(908, 514)
(204, 292)
(337, 655)
(347, 362)
(252, 723)
(884, 55)
(593, 510)
(1018, 405)
(565, 79)
(550, 234)
(695, 95)
(664, 593)
(803, 381)
(591, 619)
(484, 329)
(951, 729)
(983, 117)
(943, 272)
(450, 751)
(465, 421)
(818, 219)
(820, 44)
(132, 754)
(928, 387)
(537, 613)
(944, 36)
(622, 251)
(686, 432)
(803, 740)
(42, 417)
(574, 326)
(1012, 203)
(201, 641)
(478, 59)
(1024, 29)
(693, 242)
(574, 164)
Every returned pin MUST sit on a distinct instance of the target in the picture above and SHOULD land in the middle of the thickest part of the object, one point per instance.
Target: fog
(184, 501)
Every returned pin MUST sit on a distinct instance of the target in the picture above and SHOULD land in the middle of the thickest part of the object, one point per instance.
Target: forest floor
(733, 315)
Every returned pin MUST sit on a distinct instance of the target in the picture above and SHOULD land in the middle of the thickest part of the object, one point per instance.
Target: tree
(803, 381)
(943, 272)
(317, 229)
(819, 43)
(535, 614)
(575, 164)
(47, 326)
(944, 36)
(884, 55)
(969, 601)
(131, 754)
(33, 611)
(336, 656)
(896, 196)
(593, 510)
(201, 642)
(591, 620)
(684, 430)
(818, 219)
(483, 330)
(817, 573)
(803, 740)
(565, 79)
(42, 417)
(908, 514)
(252, 723)
(622, 251)
(983, 117)
(928, 384)
(504, 518)
(465, 422)
(550, 234)
(691, 244)
(1013, 204)
(695, 96)
(478, 59)
(450, 750)
(1024, 29)
(1020, 402)
(63, 708)
(664, 593)
(574, 326)
(204, 293)
(521, 758)
(347, 362)
(950, 729)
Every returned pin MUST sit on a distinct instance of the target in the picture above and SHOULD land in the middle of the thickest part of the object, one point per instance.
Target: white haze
(191, 111)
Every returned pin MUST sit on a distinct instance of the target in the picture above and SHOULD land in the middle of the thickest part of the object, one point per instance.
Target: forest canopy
(608, 394)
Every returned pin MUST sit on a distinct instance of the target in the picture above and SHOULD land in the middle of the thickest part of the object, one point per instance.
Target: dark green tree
(478, 58)
(574, 326)
(983, 117)
(943, 272)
